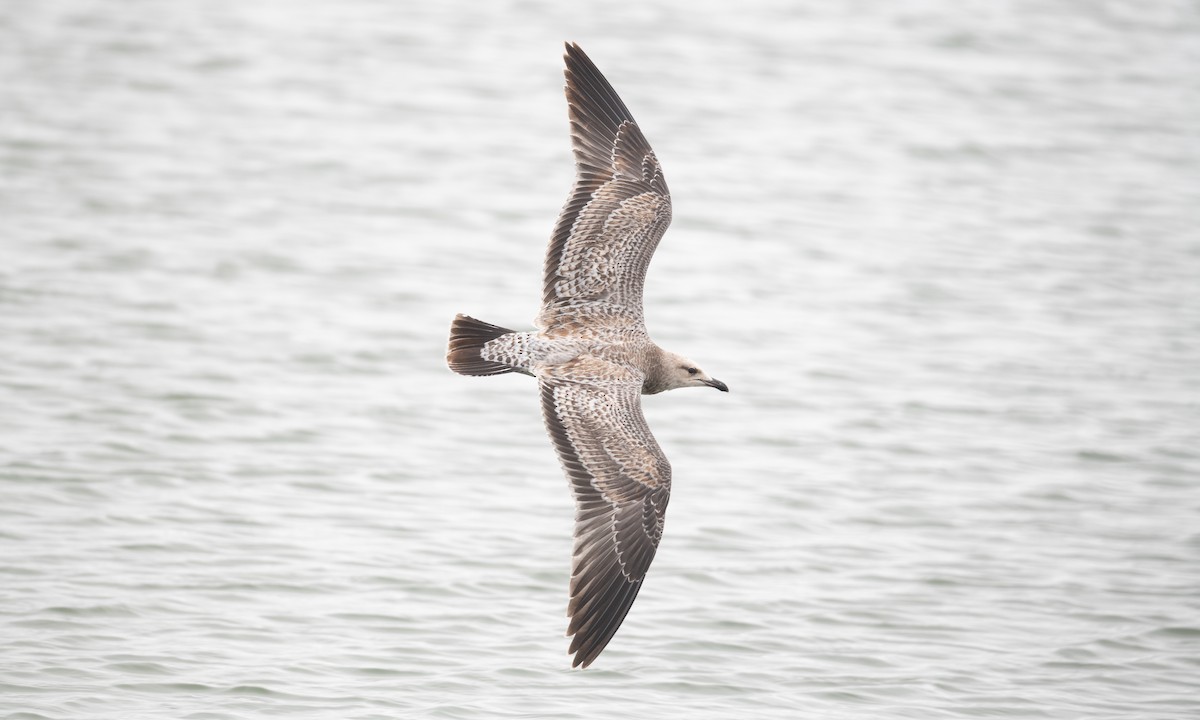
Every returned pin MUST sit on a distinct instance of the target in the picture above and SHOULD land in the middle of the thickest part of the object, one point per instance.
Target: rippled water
(946, 255)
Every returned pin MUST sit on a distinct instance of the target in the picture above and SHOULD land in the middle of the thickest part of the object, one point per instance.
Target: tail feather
(467, 338)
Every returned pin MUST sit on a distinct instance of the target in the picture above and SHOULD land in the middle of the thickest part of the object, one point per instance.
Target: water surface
(945, 255)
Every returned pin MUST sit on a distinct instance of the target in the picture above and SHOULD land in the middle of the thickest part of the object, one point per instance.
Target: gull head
(676, 371)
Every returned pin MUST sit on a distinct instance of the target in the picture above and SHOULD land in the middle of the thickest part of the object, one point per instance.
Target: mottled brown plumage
(593, 358)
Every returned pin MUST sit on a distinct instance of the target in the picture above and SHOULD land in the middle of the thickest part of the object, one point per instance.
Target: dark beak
(717, 384)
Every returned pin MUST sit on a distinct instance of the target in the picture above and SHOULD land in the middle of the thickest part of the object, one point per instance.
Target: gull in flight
(593, 358)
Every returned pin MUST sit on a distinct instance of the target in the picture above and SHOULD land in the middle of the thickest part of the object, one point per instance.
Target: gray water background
(946, 255)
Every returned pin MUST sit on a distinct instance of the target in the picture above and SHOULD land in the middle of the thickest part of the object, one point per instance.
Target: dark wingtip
(576, 59)
(572, 52)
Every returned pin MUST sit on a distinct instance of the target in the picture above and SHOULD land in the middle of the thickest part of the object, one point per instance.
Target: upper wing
(618, 209)
(621, 481)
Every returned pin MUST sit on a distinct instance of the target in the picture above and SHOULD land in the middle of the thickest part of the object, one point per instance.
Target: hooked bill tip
(717, 384)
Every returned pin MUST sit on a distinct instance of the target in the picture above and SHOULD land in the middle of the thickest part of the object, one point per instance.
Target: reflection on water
(946, 256)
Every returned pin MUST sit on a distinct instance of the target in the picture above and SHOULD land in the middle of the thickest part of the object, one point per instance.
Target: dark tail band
(467, 338)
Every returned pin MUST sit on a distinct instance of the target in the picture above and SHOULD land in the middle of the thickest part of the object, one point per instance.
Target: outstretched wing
(621, 481)
(616, 213)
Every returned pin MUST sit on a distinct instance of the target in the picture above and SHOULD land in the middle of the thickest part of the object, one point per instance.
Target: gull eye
(692, 371)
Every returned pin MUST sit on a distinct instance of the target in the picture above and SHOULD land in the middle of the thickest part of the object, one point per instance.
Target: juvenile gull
(593, 357)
